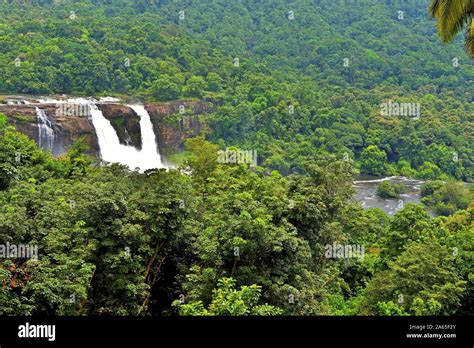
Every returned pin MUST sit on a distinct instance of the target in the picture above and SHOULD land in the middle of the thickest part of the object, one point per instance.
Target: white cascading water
(149, 150)
(45, 130)
(111, 150)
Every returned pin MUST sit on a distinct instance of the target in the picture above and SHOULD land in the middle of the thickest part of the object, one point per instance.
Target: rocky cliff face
(173, 122)
(176, 121)
(67, 128)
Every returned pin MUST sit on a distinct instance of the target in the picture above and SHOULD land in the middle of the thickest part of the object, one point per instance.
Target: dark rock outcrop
(125, 122)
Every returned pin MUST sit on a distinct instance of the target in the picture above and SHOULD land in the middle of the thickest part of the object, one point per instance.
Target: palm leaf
(452, 16)
(469, 39)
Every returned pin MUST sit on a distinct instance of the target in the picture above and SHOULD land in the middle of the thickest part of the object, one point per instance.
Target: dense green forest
(310, 87)
(113, 241)
(303, 83)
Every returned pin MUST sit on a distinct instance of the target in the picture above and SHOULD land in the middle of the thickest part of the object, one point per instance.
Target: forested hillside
(295, 81)
(303, 83)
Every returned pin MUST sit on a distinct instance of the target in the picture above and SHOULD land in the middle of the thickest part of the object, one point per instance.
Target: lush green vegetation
(225, 239)
(228, 301)
(446, 198)
(389, 190)
(306, 84)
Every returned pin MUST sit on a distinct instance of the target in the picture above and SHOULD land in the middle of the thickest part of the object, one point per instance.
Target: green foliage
(446, 198)
(164, 88)
(388, 190)
(226, 300)
(422, 281)
(202, 159)
(195, 86)
(3, 121)
(411, 223)
(452, 16)
(373, 160)
(429, 171)
(390, 308)
(236, 240)
(118, 242)
(127, 48)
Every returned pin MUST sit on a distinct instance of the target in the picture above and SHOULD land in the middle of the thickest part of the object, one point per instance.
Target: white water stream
(45, 130)
(110, 148)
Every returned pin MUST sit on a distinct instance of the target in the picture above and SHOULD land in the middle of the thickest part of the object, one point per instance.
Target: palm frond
(434, 6)
(469, 39)
(470, 8)
(452, 16)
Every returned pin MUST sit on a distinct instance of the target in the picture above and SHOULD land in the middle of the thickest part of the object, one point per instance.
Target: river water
(366, 188)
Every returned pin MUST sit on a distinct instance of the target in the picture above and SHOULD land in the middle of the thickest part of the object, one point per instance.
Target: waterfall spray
(45, 130)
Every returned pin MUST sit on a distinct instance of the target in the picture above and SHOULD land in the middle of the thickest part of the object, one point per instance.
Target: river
(366, 187)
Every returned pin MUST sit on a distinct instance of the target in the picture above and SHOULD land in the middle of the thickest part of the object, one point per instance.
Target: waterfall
(45, 130)
(149, 151)
(111, 150)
